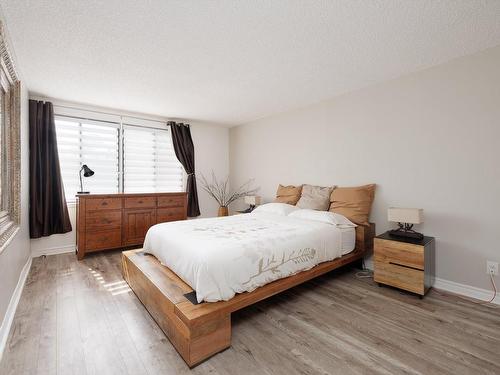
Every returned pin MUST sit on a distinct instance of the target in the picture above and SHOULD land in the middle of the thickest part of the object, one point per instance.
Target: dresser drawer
(169, 214)
(103, 240)
(171, 201)
(103, 204)
(140, 202)
(400, 253)
(103, 220)
(399, 276)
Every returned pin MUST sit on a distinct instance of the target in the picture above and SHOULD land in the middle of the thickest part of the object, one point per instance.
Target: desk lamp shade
(87, 172)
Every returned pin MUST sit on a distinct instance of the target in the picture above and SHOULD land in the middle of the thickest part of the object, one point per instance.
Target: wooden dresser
(404, 263)
(110, 221)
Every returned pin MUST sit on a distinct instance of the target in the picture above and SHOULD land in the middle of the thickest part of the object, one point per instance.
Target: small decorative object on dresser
(406, 217)
(110, 221)
(219, 190)
(404, 263)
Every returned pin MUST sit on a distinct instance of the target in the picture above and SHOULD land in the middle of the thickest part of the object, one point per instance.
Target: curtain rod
(167, 126)
(108, 113)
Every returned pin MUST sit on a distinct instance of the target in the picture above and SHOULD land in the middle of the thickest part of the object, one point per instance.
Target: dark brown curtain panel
(184, 150)
(48, 209)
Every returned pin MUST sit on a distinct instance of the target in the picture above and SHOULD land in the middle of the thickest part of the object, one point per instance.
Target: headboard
(364, 237)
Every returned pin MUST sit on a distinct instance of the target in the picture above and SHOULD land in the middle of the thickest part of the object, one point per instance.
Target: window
(10, 147)
(125, 158)
(88, 142)
(150, 164)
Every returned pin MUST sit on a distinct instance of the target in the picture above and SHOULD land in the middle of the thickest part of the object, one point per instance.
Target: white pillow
(282, 209)
(324, 217)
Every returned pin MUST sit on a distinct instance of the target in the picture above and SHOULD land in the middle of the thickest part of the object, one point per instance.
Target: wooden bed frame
(202, 330)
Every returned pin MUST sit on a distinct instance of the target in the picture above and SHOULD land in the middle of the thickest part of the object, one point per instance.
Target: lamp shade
(253, 200)
(405, 215)
(87, 172)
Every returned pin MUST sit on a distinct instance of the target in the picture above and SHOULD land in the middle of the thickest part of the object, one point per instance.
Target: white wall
(211, 152)
(17, 253)
(429, 140)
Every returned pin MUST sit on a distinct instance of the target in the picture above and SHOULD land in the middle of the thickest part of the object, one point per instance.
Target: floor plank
(80, 317)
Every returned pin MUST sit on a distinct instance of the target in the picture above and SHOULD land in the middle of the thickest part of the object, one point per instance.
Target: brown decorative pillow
(315, 197)
(355, 203)
(288, 194)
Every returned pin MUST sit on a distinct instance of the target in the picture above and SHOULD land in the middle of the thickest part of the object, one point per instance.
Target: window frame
(10, 216)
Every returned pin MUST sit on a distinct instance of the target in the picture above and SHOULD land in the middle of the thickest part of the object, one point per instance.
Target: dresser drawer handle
(140, 202)
(405, 266)
(104, 203)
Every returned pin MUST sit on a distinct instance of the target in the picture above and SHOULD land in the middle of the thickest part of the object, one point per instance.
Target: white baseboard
(52, 250)
(11, 309)
(466, 290)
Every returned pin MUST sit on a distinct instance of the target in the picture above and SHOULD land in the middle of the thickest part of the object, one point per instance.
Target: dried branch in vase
(219, 190)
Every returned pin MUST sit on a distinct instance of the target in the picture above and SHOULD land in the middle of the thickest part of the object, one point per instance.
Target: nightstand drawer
(399, 276)
(400, 253)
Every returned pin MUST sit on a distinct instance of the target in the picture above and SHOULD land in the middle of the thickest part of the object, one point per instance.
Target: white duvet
(219, 257)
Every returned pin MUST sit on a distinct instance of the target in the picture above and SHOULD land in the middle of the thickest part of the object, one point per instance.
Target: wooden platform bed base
(200, 331)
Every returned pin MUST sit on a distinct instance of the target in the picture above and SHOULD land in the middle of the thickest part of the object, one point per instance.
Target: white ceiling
(233, 61)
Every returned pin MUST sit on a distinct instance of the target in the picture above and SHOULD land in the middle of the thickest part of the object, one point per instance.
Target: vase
(223, 211)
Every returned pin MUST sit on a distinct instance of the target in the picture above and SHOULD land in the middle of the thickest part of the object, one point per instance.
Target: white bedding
(219, 257)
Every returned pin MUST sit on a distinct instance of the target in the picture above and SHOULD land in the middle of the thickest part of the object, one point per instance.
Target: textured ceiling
(232, 61)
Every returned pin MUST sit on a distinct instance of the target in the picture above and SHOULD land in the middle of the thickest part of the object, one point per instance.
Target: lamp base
(83, 192)
(406, 234)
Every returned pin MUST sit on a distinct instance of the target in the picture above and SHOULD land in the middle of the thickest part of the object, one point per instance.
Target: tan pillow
(355, 203)
(288, 194)
(315, 197)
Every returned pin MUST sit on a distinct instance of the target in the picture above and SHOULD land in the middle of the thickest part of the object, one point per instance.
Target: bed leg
(208, 339)
(358, 264)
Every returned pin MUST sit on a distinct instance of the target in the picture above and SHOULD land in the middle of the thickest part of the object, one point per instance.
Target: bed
(253, 257)
(221, 257)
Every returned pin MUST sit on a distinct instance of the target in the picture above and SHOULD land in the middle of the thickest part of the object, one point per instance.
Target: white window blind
(149, 161)
(94, 143)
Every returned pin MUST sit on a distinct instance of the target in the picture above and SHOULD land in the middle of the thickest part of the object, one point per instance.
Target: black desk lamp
(87, 172)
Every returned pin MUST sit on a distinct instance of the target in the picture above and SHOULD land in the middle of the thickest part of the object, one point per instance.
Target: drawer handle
(405, 266)
(104, 203)
(140, 202)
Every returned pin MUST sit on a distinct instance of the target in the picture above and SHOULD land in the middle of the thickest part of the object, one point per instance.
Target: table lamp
(87, 172)
(406, 218)
(252, 200)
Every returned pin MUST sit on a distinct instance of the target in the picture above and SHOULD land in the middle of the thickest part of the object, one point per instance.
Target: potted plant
(219, 190)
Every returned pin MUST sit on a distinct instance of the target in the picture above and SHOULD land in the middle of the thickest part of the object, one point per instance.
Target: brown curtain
(184, 150)
(48, 209)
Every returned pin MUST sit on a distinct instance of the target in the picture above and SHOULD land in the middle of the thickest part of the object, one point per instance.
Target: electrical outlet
(491, 268)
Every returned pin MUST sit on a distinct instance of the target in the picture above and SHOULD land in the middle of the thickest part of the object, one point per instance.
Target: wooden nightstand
(404, 263)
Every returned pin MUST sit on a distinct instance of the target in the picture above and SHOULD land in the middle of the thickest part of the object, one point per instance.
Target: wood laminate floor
(81, 318)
